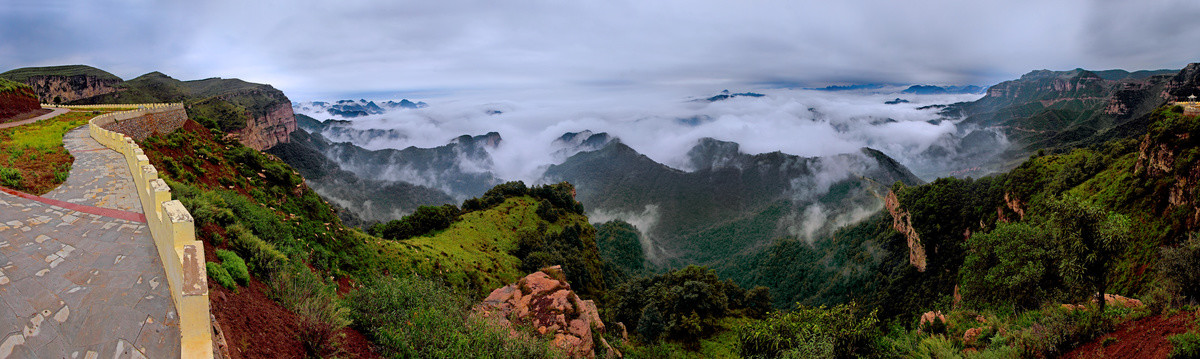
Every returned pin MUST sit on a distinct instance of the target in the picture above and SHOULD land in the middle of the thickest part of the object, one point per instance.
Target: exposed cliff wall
(62, 84)
(266, 131)
(902, 222)
(63, 89)
(1170, 160)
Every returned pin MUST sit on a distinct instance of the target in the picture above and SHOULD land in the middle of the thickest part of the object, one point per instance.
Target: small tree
(1009, 265)
(1088, 240)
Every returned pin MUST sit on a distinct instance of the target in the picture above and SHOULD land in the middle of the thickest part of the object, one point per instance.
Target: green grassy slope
(9, 85)
(474, 253)
(23, 74)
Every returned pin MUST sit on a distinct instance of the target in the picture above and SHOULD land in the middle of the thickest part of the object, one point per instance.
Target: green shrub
(416, 318)
(235, 265)
(422, 221)
(1181, 265)
(1011, 265)
(220, 275)
(264, 223)
(322, 316)
(820, 332)
(1186, 345)
(264, 257)
(1055, 330)
(10, 177)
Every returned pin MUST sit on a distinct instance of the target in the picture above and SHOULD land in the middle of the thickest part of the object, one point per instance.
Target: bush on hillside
(264, 258)
(410, 317)
(234, 265)
(689, 301)
(322, 315)
(843, 331)
(1181, 266)
(1185, 346)
(1011, 265)
(220, 275)
(424, 220)
(620, 244)
(569, 248)
(560, 196)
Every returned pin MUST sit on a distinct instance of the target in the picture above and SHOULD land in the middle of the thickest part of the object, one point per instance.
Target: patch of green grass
(36, 151)
(472, 253)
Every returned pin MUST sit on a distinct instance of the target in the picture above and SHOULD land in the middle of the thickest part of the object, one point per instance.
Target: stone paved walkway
(82, 285)
(99, 177)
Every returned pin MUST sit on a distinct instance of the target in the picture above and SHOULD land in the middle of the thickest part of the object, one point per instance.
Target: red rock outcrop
(1110, 300)
(929, 318)
(902, 222)
(971, 335)
(266, 131)
(544, 301)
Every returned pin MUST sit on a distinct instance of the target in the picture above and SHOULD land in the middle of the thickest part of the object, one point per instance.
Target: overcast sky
(390, 49)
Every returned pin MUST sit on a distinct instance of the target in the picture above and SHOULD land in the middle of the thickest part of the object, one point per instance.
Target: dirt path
(1145, 338)
(52, 114)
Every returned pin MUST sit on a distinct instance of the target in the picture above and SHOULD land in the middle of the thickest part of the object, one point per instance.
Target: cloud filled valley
(681, 167)
(664, 126)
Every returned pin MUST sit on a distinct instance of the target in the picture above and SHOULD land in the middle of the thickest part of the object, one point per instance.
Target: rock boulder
(545, 302)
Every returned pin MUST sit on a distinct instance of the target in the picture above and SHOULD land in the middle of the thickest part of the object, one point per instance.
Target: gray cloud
(313, 49)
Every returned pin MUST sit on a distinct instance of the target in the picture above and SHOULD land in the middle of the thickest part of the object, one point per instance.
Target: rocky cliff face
(902, 222)
(544, 301)
(1046, 85)
(63, 89)
(1159, 159)
(266, 131)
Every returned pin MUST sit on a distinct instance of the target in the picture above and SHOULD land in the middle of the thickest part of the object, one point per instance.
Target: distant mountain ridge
(1063, 109)
(258, 115)
(353, 108)
(757, 197)
(941, 90)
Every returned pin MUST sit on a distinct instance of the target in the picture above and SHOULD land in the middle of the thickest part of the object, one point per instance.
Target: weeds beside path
(32, 156)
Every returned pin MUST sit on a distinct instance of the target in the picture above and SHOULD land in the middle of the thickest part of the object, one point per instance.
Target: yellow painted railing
(173, 230)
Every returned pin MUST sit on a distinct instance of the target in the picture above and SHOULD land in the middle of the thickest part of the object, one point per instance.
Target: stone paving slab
(82, 285)
(99, 177)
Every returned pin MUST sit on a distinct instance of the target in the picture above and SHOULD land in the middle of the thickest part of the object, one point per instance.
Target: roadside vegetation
(32, 156)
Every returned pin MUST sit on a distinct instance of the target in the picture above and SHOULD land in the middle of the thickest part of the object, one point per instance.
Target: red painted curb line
(107, 212)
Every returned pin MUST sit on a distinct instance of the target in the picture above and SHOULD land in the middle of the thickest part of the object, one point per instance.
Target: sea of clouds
(664, 124)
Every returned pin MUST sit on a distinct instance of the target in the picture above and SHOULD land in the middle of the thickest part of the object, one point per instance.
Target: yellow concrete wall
(115, 105)
(172, 228)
